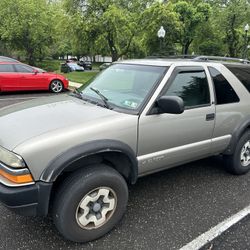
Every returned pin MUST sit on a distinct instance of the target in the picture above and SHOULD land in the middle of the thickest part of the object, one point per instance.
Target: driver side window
(192, 87)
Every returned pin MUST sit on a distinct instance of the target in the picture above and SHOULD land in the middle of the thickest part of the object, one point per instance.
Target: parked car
(75, 67)
(73, 59)
(7, 59)
(64, 68)
(104, 66)
(135, 118)
(15, 76)
(86, 64)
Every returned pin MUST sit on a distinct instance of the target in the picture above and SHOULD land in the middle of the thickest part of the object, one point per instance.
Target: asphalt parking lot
(165, 211)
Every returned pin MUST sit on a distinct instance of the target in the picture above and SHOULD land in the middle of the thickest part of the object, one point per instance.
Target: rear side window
(6, 68)
(223, 90)
(242, 73)
(23, 68)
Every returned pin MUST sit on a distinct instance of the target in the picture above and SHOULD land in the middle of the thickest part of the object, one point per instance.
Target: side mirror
(171, 104)
(35, 71)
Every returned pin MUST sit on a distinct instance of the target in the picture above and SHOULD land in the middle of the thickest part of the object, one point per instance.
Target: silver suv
(73, 155)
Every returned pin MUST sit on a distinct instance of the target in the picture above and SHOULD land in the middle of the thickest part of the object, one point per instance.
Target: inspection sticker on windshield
(130, 104)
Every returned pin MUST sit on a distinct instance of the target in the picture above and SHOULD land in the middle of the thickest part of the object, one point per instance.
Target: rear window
(242, 73)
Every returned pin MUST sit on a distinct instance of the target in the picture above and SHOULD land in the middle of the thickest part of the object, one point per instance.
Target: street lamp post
(246, 29)
(248, 48)
(161, 34)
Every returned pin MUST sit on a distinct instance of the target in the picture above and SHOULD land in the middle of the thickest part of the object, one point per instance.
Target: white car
(75, 67)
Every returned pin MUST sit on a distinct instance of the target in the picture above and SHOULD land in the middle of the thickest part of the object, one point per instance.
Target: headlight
(11, 159)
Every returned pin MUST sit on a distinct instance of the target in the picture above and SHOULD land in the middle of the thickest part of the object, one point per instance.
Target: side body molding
(66, 159)
(237, 133)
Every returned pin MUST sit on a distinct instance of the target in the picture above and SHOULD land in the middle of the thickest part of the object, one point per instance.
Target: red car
(15, 76)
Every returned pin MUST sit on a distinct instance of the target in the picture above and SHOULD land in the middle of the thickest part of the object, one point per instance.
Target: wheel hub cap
(56, 86)
(245, 154)
(96, 208)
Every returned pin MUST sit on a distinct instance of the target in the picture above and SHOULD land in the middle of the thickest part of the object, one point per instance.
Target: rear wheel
(239, 162)
(90, 203)
(56, 86)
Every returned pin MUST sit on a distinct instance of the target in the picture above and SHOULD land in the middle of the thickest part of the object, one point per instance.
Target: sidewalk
(73, 85)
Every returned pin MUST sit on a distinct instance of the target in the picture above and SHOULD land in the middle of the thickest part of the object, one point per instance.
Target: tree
(114, 23)
(27, 25)
(155, 16)
(191, 16)
(208, 40)
(232, 16)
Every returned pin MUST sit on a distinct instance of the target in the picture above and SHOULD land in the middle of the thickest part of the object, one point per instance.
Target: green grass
(80, 77)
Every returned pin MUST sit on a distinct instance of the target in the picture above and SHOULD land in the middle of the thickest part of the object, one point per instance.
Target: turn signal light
(19, 179)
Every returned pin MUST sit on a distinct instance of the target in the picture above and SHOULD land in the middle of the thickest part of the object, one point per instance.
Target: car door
(9, 79)
(30, 80)
(166, 140)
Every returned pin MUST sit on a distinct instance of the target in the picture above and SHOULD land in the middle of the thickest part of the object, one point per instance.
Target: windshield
(124, 85)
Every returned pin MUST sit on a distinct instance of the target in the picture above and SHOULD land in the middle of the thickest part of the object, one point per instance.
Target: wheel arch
(237, 133)
(114, 153)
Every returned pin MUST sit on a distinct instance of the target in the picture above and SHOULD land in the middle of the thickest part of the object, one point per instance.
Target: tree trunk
(232, 37)
(31, 59)
(112, 47)
(115, 56)
(185, 47)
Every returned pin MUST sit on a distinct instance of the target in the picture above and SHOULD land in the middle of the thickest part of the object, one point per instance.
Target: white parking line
(214, 232)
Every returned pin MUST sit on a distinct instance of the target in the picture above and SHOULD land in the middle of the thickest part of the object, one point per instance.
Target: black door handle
(210, 117)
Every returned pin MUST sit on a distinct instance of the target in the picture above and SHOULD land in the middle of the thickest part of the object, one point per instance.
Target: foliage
(27, 25)
(191, 16)
(233, 15)
(49, 65)
(155, 16)
(110, 25)
(39, 29)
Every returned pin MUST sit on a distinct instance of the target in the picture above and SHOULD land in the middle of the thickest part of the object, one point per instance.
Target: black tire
(233, 162)
(56, 86)
(74, 190)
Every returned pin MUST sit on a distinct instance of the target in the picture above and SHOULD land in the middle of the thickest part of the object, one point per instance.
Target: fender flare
(68, 157)
(237, 133)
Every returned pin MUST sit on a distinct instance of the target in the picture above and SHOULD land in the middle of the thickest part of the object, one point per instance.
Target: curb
(73, 85)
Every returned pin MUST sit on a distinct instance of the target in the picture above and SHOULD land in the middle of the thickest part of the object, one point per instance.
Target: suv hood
(23, 121)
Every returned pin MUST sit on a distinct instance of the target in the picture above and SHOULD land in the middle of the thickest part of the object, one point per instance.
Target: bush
(49, 65)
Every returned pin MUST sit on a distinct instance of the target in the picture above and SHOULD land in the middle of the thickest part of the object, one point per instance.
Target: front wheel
(239, 162)
(56, 86)
(90, 203)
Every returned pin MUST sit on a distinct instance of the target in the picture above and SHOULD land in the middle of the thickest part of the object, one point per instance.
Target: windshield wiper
(103, 98)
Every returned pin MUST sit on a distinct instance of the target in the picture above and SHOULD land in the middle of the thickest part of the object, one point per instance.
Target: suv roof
(220, 59)
(167, 61)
